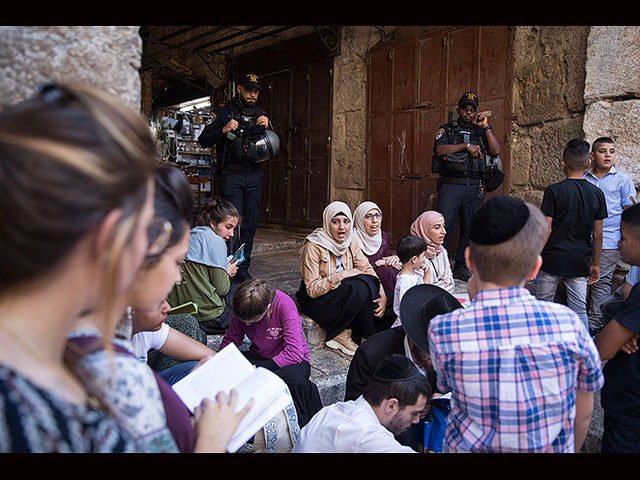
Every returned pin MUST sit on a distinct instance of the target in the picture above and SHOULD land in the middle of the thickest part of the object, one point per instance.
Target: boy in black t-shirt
(617, 343)
(574, 209)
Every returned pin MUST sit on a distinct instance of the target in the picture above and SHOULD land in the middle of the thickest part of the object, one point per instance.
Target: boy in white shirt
(411, 252)
(151, 332)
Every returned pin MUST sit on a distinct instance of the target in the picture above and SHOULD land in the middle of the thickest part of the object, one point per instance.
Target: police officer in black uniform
(460, 152)
(240, 177)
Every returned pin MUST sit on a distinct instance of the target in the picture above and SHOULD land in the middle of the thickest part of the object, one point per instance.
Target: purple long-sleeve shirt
(278, 337)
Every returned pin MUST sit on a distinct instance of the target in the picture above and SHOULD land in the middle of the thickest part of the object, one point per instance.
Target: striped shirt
(513, 364)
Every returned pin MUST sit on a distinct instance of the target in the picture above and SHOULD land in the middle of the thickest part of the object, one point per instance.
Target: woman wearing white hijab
(339, 290)
(367, 229)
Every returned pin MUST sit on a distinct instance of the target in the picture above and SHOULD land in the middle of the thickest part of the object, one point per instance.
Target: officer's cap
(469, 98)
(250, 81)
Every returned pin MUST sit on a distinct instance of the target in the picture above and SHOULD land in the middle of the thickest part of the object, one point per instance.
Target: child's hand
(631, 346)
(232, 268)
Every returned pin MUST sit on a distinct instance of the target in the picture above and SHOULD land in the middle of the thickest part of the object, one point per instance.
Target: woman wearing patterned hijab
(430, 227)
(339, 290)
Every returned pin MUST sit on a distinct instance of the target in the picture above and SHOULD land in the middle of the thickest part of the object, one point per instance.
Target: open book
(228, 370)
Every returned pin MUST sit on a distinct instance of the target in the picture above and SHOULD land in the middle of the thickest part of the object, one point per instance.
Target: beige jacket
(317, 267)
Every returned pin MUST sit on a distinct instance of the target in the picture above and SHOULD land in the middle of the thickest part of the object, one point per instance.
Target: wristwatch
(488, 127)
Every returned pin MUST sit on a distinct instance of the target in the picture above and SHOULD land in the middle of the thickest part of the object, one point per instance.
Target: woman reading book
(141, 400)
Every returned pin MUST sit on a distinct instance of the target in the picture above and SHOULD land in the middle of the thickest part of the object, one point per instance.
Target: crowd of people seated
(97, 247)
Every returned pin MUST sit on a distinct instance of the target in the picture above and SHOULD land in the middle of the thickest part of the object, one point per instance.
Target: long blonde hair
(68, 157)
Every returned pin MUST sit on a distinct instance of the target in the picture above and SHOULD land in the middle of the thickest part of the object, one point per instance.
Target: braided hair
(251, 299)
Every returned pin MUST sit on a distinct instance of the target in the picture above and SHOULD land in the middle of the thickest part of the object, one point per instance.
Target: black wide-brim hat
(419, 305)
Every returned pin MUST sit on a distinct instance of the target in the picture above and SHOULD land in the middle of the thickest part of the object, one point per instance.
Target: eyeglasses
(371, 216)
(159, 233)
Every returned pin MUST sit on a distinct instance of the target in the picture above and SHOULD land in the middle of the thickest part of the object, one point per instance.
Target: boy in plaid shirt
(522, 371)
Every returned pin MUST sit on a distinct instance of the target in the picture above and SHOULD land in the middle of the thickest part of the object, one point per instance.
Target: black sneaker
(461, 272)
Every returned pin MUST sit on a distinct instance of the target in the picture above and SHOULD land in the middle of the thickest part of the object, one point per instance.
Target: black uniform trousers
(241, 184)
(457, 199)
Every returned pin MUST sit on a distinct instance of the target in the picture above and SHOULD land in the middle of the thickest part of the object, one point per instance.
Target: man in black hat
(460, 150)
(419, 305)
(395, 398)
(239, 176)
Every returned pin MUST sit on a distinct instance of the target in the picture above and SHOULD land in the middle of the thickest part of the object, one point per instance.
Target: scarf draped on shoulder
(322, 236)
(207, 247)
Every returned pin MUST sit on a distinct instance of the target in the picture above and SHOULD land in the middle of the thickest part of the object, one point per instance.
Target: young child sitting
(411, 251)
(574, 209)
(522, 371)
(270, 320)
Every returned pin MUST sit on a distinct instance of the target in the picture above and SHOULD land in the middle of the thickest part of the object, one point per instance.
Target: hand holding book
(230, 371)
(216, 422)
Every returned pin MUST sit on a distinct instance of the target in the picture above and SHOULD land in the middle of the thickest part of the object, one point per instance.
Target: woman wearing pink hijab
(430, 227)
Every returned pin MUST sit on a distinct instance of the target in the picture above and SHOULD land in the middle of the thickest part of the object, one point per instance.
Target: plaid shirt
(513, 364)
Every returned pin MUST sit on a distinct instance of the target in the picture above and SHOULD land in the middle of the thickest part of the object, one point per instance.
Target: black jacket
(212, 133)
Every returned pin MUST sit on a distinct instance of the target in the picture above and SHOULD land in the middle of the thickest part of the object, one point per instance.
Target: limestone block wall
(349, 130)
(612, 92)
(105, 56)
(548, 104)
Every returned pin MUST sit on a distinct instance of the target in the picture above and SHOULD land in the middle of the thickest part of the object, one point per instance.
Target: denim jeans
(177, 372)
(547, 285)
(601, 290)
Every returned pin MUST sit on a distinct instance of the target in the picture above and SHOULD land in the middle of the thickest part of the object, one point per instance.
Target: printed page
(270, 396)
(228, 370)
(222, 372)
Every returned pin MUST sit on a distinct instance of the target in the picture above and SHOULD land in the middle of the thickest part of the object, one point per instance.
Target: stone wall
(349, 129)
(612, 92)
(548, 104)
(105, 56)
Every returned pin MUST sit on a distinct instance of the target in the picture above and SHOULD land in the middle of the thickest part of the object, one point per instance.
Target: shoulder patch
(439, 133)
(213, 117)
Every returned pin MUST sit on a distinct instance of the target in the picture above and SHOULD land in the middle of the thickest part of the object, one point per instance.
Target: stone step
(272, 240)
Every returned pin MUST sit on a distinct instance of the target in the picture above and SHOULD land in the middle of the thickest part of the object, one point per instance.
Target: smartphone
(239, 255)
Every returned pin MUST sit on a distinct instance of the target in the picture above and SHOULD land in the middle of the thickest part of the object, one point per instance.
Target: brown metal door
(296, 185)
(413, 84)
